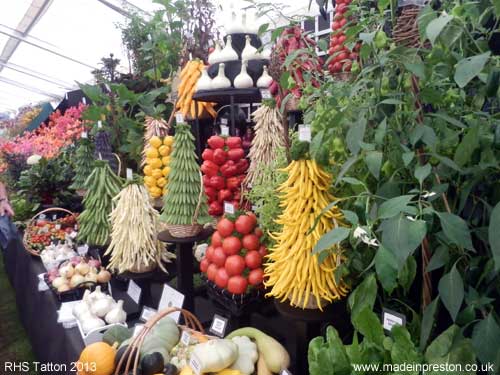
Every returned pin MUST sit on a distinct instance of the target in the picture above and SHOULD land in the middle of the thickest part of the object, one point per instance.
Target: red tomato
(204, 265)
(253, 259)
(216, 239)
(244, 224)
(262, 251)
(231, 245)
(221, 278)
(258, 232)
(336, 25)
(225, 227)
(209, 254)
(251, 242)
(252, 216)
(235, 265)
(211, 272)
(255, 277)
(237, 285)
(219, 257)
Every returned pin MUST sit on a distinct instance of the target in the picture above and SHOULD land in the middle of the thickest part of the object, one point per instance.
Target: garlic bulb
(215, 56)
(249, 52)
(80, 310)
(243, 80)
(96, 295)
(116, 314)
(102, 306)
(265, 79)
(91, 324)
(228, 53)
(67, 271)
(221, 81)
(82, 268)
(86, 297)
(205, 82)
(266, 54)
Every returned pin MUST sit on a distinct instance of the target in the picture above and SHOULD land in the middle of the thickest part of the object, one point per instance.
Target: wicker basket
(26, 235)
(193, 325)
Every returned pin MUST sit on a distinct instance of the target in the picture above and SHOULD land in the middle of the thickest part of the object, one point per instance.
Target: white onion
(67, 271)
(58, 281)
(82, 268)
(76, 280)
(63, 288)
(91, 276)
(103, 276)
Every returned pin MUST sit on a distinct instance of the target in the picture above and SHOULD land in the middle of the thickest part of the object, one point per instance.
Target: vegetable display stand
(185, 262)
(236, 305)
(308, 324)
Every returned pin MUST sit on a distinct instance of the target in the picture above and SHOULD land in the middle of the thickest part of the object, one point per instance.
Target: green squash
(152, 364)
(116, 334)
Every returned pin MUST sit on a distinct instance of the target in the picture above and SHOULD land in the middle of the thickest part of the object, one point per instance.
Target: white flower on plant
(362, 234)
(411, 218)
(33, 159)
(429, 194)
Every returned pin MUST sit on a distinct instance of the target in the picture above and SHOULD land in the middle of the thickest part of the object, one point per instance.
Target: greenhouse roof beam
(31, 17)
(39, 76)
(29, 88)
(122, 11)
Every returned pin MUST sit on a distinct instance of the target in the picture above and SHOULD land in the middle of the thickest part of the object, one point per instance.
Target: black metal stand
(185, 262)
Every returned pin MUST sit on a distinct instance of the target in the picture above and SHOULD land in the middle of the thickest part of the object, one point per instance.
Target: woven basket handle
(198, 206)
(52, 210)
(191, 322)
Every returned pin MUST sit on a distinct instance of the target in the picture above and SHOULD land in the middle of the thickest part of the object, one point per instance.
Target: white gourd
(265, 79)
(215, 56)
(243, 80)
(228, 53)
(215, 355)
(247, 355)
(204, 82)
(266, 54)
(221, 81)
(116, 314)
(249, 52)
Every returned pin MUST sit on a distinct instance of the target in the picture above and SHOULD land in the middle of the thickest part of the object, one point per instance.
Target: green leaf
(439, 259)
(394, 206)
(444, 116)
(345, 168)
(470, 67)
(403, 349)
(380, 132)
(368, 324)
(367, 37)
(426, 16)
(494, 235)
(386, 267)
(402, 236)
(456, 230)
(391, 101)
(351, 217)
(331, 238)
(448, 162)
(407, 274)
(437, 25)
(373, 160)
(486, 339)
(363, 296)
(451, 33)
(466, 148)
(427, 323)
(355, 135)
(496, 5)
(408, 157)
(418, 69)
(422, 172)
(352, 181)
(451, 291)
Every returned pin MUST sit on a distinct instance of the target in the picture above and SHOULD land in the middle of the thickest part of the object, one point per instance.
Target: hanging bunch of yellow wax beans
(157, 166)
(292, 272)
(189, 78)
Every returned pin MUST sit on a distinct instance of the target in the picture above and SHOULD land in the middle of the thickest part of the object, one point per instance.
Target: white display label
(219, 325)
(134, 291)
(84, 101)
(305, 133)
(85, 135)
(391, 319)
(254, 208)
(170, 297)
(137, 329)
(179, 118)
(130, 175)
(82, 250)
(185, 338)
(266, 94)
(229, 208)
(58, 226)
(285, 372)
(223, 121)
(54, 217)
(99, 124)
(42, 217)
(147, 313)
(195, 364)
(73, 235)
(224, 130)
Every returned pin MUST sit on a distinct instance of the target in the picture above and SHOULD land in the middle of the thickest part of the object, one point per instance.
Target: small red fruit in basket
(215, 142)
(231, 245)
(251, 242)
(244, 224)
(237, 285)
(252, 216)
(212, 272)
(216, 239)
(258, 232)
(219, 257)
(221, 278)
(224, 195)
(235, 265)
(253, 259)
(204, 265)
(256, 276)
(215, 209)
(225, 227)
(209, 254)
(262, 251)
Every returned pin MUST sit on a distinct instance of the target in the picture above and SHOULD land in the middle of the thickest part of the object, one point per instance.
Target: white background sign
(171, 298)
